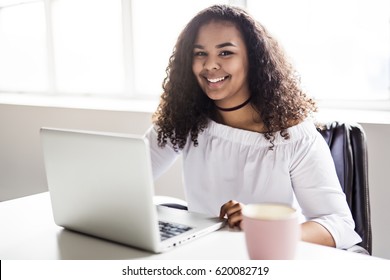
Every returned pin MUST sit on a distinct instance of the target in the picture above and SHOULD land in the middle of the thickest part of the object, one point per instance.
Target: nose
(211, 64)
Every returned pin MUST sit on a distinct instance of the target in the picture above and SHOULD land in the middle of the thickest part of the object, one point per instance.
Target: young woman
(233, 108)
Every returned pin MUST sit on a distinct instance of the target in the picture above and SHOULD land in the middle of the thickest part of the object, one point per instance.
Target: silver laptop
(101, 184)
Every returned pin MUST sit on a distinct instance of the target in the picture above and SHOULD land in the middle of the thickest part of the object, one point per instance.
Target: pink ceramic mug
(271, 231)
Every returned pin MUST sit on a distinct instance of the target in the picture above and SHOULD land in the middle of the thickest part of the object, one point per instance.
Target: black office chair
(347, 143)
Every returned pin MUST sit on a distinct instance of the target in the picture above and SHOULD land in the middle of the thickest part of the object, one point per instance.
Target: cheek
(240, 69)
(237, 67)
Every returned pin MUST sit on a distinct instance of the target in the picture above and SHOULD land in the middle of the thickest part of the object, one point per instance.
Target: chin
(215, 96)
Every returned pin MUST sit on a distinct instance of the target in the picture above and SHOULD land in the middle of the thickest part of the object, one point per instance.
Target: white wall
(378, 136)
(22, 173)
(21, 161)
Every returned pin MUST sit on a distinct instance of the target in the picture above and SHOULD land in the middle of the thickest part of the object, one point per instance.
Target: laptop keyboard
(168, 230)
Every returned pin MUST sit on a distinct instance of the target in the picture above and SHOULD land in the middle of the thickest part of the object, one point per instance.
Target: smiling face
(220, 63)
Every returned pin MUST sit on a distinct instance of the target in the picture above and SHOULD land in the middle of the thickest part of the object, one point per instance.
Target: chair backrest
(347, 143)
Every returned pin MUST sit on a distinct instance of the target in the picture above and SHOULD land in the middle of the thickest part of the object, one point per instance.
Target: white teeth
(216, 80)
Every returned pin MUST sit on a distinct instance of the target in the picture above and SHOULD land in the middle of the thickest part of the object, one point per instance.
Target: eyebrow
(219, 46)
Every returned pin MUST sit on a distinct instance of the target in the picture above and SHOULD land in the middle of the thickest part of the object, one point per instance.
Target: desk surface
(28, 231)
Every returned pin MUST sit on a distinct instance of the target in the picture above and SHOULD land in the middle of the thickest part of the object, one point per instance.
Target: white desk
(27, 231)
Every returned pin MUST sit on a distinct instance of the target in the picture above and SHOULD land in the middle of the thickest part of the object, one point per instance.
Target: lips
(215, 82)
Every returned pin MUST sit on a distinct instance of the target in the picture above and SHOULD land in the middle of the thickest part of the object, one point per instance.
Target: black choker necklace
(234, 108)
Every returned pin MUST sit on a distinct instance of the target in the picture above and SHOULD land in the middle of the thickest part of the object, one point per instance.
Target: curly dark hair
(185, 110)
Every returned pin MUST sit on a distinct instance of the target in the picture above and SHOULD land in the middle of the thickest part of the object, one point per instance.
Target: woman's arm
(161, 158)
(319, 194)
(315, 233)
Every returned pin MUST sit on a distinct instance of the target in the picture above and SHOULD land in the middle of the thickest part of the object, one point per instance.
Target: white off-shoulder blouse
(231, 163)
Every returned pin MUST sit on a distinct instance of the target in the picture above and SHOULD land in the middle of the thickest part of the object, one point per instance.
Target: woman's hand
(232, 209)
(311, 231)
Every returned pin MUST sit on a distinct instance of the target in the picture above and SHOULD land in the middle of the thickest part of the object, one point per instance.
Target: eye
(225, 53)
(200, 53)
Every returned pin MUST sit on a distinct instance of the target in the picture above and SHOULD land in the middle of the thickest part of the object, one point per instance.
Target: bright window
(87, 37)
(341, 48)
(23, 61)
